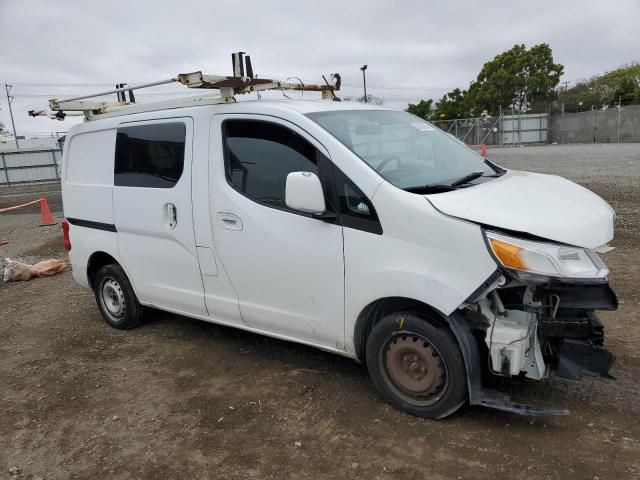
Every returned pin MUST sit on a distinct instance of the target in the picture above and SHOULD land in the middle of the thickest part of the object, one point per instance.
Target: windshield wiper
(433, 188)
(442, 187)
(467, 178)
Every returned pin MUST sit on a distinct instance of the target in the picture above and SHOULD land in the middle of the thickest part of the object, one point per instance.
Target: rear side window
(259, 155)
(149, 155)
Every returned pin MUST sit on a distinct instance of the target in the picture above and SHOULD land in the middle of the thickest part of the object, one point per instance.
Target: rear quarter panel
(87, 185)
(87, 188)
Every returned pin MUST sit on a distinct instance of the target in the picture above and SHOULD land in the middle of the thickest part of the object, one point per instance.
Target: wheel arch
(456, 323)
(376, 310)
(99, 259)
(96, 261)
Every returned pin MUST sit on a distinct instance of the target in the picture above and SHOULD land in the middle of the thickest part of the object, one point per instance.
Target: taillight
(65, 234)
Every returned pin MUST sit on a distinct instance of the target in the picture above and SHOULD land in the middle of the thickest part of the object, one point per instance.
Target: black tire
(116, 299)
(416, 365)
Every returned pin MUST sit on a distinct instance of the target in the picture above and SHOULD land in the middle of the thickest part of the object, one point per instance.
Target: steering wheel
(386, 162)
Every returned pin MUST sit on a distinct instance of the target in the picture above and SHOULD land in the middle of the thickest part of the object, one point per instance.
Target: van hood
(546, 206)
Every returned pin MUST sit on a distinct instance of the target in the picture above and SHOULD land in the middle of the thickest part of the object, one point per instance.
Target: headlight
(548, 259)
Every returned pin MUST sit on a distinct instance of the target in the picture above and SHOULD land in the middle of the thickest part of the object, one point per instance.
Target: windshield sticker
(423, 127)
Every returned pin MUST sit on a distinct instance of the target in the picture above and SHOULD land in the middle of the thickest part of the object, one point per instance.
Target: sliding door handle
(171, 216)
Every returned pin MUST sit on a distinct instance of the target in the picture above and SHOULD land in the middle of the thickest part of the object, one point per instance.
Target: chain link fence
(500, 130)
(618, 124)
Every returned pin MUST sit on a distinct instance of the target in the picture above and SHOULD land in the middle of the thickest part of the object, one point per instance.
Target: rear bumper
(80, 276)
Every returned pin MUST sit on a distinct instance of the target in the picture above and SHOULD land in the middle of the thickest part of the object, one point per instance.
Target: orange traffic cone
(45, 214)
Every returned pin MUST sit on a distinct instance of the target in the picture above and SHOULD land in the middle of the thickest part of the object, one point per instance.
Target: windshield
(404, 149)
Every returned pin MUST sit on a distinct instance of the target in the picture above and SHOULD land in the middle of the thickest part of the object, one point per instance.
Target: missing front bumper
(579, 357)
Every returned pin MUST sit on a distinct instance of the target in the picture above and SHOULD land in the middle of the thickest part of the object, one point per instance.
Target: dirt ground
(178, 398)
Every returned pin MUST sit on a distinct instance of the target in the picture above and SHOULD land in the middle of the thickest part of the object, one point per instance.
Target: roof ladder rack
(243, 81)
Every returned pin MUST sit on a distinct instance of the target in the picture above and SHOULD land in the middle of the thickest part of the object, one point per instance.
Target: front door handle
(229, 221)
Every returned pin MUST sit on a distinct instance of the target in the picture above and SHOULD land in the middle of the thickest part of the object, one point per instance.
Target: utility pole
(13, 125)
(619, 108)
(364, 82)
(562, 113)
(500, 125)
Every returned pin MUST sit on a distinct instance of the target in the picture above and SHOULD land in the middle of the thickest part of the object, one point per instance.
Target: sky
(413, 49)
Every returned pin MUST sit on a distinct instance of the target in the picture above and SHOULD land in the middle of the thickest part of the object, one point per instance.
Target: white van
(355, 229)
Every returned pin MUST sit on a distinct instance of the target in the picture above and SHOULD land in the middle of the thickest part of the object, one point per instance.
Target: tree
(3, 130)
(516, 79)
(452, 105)
(519, 78)
(424, 109)
(606, 90)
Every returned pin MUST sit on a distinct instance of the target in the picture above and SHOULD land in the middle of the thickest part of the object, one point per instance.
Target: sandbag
(20, 272)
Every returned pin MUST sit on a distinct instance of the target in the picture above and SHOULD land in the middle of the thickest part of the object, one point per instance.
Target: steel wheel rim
(413, 368)
(112, 299)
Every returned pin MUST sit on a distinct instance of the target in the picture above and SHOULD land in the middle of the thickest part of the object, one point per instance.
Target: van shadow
(236, 347)
(258, 347)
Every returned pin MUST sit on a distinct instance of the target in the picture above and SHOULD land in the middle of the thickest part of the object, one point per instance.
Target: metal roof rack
(243, 81)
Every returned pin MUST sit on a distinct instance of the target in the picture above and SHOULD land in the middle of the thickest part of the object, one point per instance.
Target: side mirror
(304, 193)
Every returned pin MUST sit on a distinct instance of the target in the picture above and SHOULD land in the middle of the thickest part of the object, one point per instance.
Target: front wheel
(416, 365)
(116, 299)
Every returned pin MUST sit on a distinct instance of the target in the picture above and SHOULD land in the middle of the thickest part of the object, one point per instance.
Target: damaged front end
(537, 329)
(535, 317)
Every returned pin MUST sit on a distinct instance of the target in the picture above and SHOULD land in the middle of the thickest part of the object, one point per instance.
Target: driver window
(259, 155)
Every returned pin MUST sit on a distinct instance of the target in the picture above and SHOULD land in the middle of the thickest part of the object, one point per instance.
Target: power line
(19, 84)
(399, 87)
(53, 95)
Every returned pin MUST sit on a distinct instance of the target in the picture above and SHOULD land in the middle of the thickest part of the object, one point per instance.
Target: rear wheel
(116, 299)
(416, 365)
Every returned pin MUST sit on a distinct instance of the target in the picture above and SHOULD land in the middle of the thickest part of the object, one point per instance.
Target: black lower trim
(479, 394)
(495, 399)
(107, 227)
(371, 226)
(580, 296)
(578, 357)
